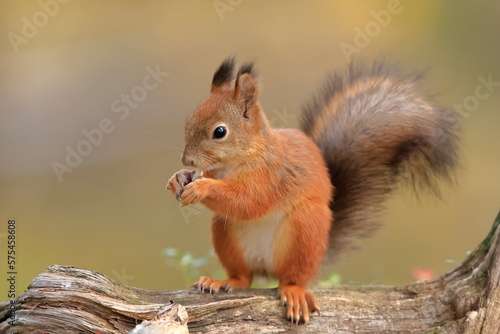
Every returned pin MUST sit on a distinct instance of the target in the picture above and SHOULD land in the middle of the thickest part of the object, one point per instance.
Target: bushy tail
(375, 129)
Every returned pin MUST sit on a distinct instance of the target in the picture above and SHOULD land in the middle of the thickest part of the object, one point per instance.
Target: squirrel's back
(374, 128)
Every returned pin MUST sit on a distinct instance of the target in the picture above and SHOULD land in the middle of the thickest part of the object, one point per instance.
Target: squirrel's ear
(246, 89)
(224, 74)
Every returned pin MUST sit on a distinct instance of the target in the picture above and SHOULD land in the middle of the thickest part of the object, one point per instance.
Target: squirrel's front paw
(297, 300)
(179, 181)
(194, 192)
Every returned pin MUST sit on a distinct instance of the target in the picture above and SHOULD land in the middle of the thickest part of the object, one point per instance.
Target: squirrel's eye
(220, 132)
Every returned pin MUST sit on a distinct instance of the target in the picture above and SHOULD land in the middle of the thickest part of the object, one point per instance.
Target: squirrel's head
(229, 125)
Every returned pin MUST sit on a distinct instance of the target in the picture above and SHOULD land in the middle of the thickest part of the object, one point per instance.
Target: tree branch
(66, 299)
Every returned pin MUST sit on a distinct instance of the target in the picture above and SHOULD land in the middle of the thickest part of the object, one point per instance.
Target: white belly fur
(257, 239)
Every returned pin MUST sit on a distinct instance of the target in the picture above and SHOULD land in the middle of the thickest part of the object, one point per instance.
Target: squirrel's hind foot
(208, 284)
(298, 301)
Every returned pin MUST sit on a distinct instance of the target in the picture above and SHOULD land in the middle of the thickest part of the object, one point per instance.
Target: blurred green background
(67, 65)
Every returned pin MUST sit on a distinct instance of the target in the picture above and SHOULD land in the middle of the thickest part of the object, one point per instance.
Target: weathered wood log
(65, 299)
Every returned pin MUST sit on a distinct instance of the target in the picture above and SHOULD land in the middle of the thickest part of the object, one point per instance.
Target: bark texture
(66, 299)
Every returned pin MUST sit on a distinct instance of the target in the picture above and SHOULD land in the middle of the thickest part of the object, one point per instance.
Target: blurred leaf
(172, 252)
(186, 259)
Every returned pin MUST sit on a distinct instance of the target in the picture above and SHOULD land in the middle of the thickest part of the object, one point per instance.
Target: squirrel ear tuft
(224, 74)
(246, 90)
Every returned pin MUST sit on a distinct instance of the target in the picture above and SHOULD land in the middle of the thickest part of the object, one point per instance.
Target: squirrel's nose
(186, 159)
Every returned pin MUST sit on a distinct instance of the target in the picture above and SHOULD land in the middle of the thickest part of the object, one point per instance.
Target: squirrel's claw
(298, 303)
(195, 191)
(189, 195)
(207, 284)
(179, 181)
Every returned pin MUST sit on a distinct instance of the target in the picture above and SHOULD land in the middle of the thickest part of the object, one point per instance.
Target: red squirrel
(284, 198)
